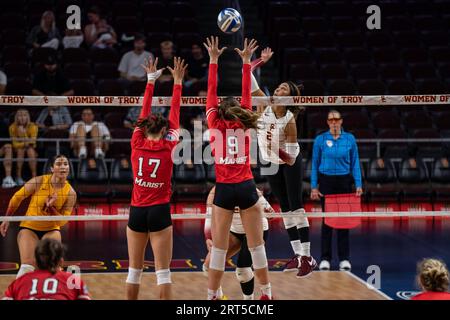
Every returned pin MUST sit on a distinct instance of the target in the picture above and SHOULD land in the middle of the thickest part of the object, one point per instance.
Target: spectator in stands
(130, 66)
(73, 38)
(87, 128)
(433, 279)
(166, 59)
(198, 65)
(98, 33)
(23, 133)
(54, 118)
(6, 152)
(131, 117)
(3, 82)
(335, 165)
(51, 81)
(46, 34)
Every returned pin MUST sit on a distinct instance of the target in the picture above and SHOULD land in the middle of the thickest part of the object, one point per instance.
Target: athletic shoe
(223, 297)
(324, 265)
(20, 181)
(265, 297)
(8, 182)
(345, 265)
(307, 265)
(99, 154)
(83, 153)
(292, 264)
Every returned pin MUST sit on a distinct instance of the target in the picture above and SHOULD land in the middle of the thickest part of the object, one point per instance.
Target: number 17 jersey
(152, 165)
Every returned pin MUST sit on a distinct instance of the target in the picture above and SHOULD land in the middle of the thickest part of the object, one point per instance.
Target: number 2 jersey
(151, 160)
(230, 144)
(43, 285)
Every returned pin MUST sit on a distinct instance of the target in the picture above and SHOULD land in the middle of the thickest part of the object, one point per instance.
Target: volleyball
(229, 20)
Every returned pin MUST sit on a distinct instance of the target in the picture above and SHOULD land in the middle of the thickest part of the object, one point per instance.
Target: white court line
(365, 283)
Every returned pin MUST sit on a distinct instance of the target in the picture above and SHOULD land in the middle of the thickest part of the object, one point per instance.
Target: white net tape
(200, 216)
(128, 101)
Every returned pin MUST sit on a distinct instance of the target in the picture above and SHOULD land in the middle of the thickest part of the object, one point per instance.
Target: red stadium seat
(77, 71)
(110, 87)
(83, 87)
(333, 71)
(341, 87)
(19, 86)
(17, 69)
(364, 71)
(401, 87)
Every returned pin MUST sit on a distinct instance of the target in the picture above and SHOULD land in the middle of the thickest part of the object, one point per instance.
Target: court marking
(354, 276)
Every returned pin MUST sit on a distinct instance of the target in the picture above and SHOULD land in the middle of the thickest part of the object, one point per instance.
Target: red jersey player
(152, 144)
(235, 187)
(49, 282)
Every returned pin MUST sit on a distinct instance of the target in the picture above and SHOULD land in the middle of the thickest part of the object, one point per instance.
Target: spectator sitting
(89, 129)
(130, 66)
(198, 65)
(51, 80)
(433, 279)
(73, 38)
(46, 34)
(3, 82)
(23, 133)
(54, 118)
(166, 59)
(99, 33)
(6, 153)
(134, 112)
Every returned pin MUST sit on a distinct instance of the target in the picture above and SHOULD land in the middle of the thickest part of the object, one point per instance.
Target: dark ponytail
(48, 254)
(295, 90)
(230, 109)
(153, 123)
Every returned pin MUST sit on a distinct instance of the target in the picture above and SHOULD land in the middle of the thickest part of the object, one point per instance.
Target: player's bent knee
(302, 222)
(163, 277)
(244, 274)
(134, 276)
(218, 258)
(290, 222)
(259, 257)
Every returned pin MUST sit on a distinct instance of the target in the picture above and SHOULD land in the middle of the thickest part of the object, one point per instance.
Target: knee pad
(289, 222)
(24, 268)
(218, 258)
(302, 220)
(259, 258)
(163, 276)
(244, 274)
(134, 276)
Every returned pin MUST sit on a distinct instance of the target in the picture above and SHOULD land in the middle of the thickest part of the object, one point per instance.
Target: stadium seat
(322, 40)
(104, 56)
(386, 55)
(19, 86)
(364, 71)
(118, 149)
(190, 179)
(432, 86)
(316, 24)
(155, 9)
(360, 55)
(14, 53)
(326, 56)
(394, 149)
(371, 87)
(13, 37)
(414, 181)
(83, 87)
(110, 87)
(312, 87)
(121, 178)
(305, 71)
(401, 87)
(74, 55)
(341, 87)
(156, 25)
(180, 25)
(348, 40)
(92, 179)
(17, 69)
(392, 71)
(78, 70)
(381, 180)
(333, 71)
(386, 120)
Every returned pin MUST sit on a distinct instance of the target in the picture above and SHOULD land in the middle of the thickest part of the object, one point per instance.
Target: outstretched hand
(150, 68)
(266, 54)
(178, 71)
(248, 50)
(212, 45)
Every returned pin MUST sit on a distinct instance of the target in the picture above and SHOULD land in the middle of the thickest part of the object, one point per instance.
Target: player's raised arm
(152, 74)
(178, 72)
(212, 45)
(266, 55)
(246, 54)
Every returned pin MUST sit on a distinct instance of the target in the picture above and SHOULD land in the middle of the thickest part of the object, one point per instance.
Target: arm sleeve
(174, 116)
(123, 65)
(147, 104)
(246, 87)
(354, 162)
(211, 100)
(315, 163)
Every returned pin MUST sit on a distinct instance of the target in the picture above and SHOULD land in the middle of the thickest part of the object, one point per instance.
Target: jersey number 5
(157, 162)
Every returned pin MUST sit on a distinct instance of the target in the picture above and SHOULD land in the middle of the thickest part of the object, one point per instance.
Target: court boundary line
(354, 276)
